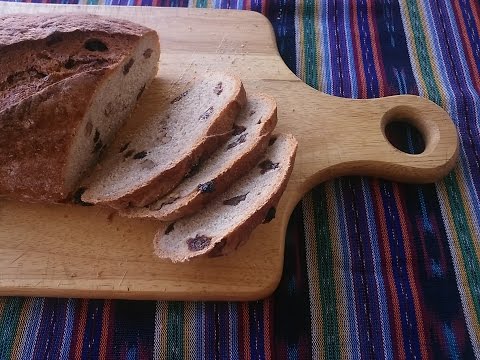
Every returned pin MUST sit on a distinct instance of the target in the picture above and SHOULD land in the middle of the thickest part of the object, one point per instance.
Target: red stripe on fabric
(244, 333)
(267, 336)
(467, 47)
(362, 81)
(394, 315)
(106, 330)
(410, 264)
(379, 68)
(79, 331)
(248, 5)
(476, 13)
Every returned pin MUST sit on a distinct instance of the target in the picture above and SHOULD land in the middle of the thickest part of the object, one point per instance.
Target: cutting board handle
(350, 139)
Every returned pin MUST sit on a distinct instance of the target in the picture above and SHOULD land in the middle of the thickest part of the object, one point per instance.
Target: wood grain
(85, 252)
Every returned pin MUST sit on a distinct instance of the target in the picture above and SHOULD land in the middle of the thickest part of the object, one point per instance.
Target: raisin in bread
(228, 220)
(67, 83)
(148, 159)
(249, 140)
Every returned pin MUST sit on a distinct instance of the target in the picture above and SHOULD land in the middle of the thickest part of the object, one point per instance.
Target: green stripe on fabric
(422, 52)
(310, 41)
(327, 281)
(8, 325)
(202, 3)
(465, 239)
(175, 330)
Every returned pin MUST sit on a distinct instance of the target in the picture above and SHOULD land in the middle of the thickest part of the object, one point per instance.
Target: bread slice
(228, 220)
(67, 83)
(147, 160)
(239, 154)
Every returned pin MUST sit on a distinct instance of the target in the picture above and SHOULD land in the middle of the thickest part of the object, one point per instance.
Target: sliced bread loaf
(229, 219)
(148, 159)
(249, 140)
(67, 83)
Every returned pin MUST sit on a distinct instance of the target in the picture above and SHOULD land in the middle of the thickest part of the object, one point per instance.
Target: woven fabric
(373, 269)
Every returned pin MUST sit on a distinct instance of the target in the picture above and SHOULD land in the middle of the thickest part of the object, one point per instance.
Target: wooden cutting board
(71, 251)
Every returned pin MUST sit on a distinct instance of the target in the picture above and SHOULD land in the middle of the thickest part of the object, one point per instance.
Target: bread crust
(43, 101)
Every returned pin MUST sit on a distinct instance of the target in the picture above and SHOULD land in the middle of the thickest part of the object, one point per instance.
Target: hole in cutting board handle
(407, 132)
(404, 136)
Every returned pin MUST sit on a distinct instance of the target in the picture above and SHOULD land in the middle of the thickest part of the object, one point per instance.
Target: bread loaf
(67, 83)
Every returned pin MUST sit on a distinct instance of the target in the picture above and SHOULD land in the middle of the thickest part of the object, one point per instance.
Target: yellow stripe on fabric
(160, 340)
(318, 350)
(340, 286)
(459, 266)
(434, 61)
(414, 57)
(470, 215)
(299, 34)
(22, 325)
(189, 328)
(2, 305)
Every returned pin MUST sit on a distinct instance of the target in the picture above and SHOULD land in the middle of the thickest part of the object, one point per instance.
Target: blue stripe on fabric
(210, 330)
(67, 334)
(93, 330)
(139, 318)
(256, 330)
(292, 352)
(368, 316)
(132, 354)
(256, 5)
(351, 313)
(367, 53)
(32, 330)
(224, 322)
(394, 50)
(452, 346)
(59, 307)
(377, 268)
(341, 82)
(233, 314)
(200, 327)
(400, 275)
(352, 71)
(281, 14)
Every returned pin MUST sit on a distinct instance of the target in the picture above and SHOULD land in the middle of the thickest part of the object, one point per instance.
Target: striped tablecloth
(373, 269)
